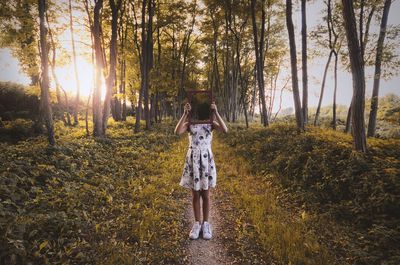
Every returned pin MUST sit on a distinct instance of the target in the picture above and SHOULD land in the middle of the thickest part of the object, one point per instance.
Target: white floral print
(199, 172)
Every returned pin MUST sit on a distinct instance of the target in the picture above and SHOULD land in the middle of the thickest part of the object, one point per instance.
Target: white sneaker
(206, 227)
(194, 233)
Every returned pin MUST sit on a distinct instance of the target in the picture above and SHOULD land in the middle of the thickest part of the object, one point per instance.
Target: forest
(308, 171)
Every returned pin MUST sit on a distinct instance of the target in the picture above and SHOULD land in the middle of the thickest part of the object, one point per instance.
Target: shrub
(319, 166)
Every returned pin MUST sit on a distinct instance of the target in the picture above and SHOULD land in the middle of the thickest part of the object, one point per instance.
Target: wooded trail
(201, 251)
(213, 251)
(222, 248)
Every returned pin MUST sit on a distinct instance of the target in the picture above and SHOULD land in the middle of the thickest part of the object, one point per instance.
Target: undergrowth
(99, 201)
(352, 200)
(265, 230)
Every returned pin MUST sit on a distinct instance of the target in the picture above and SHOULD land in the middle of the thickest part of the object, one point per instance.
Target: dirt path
(213, 251)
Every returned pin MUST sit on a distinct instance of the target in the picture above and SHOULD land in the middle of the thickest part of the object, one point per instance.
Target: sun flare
(66, 77)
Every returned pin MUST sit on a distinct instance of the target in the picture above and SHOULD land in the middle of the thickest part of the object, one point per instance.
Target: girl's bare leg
(205, 196)
(196, 204)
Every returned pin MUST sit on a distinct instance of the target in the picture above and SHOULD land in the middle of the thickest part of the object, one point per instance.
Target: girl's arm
(218, 122)
(183, 123)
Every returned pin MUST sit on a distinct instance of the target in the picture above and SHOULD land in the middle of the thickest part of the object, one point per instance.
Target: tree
(334, 47)
(357, 69)
(119, 104)
(304, 59)
(58, 87)
(45, 106)
(377, 75)
(78, 86)
(146, 63)
(293, 60)
(96, 105)
(115, 7)
(321, 95)
(259, 51)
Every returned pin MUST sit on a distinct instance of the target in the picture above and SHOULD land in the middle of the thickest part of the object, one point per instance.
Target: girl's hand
(214, 107)
(186, 108)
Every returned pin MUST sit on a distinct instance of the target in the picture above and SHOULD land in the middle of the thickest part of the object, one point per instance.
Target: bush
(357, 190)
(19, 129)
(92, 201)
(16, 102)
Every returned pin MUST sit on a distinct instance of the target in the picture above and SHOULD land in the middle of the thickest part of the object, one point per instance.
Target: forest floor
(117, 200)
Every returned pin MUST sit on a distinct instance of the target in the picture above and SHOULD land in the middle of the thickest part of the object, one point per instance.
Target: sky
(10, 69)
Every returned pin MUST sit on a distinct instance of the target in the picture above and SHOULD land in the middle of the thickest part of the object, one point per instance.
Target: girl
(199, 173)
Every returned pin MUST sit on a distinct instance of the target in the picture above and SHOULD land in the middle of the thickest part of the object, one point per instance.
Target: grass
(104, 201)
(289, 198)
(340, 200)
(266, 231)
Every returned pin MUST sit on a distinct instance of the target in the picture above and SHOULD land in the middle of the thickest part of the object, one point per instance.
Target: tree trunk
(293, 61)
(78, 86)
(96, 105)
(113, 62)
(67, 121)
(45, 107)
(304, 60)
(334, 93)
(259, 57)
(143, 68)
(357, 68)
(377, 75)
(123, 91)
(149, 64)
(322, 89)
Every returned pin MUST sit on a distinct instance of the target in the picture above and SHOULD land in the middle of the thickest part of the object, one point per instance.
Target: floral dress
(199, 172)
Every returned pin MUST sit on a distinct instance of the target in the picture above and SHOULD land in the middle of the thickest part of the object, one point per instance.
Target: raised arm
(183, 123)
(218, 122)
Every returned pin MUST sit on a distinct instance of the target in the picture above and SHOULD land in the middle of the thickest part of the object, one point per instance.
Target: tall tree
(363, 32)
(321, 95)
(357, 69)
(304, 60)
(45, 106)
(146, 63)
(259, 54)
(119, 104)
(148, 49)
(113, 62)
(78, 86)
(377, 75)
(293, 61)
(186, 49)
(58, 86)
(333, 46)
(96, 105)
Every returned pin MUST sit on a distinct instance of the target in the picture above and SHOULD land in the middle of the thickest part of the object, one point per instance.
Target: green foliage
(17, 101)
(266, 231)
(388, 116)
(13, 131)
(359, 193)
(102, 201)
(19, 31)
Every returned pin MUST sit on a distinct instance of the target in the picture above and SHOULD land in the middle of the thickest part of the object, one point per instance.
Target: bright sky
(10, 69)
(316, 66)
